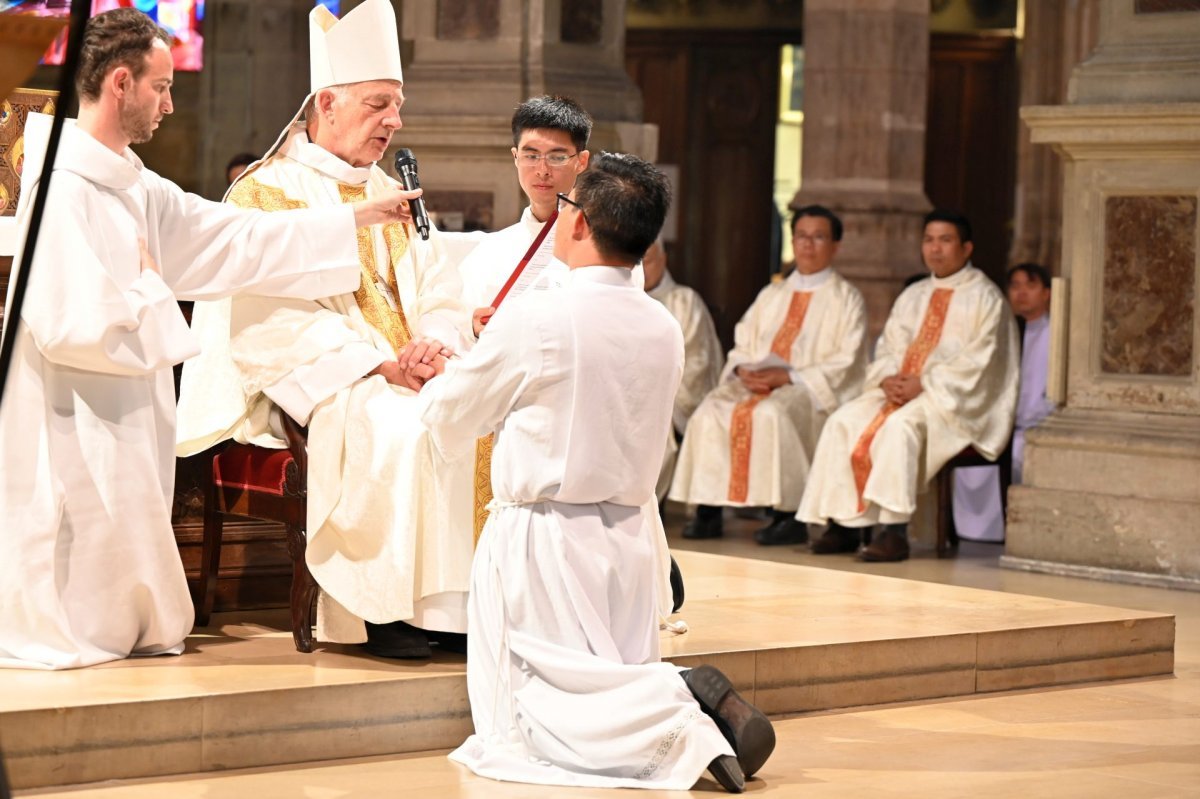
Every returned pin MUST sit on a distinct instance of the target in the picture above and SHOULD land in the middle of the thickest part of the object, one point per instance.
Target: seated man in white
(389, 526)
(798, 354)
(944, 378)
(702, 353)
(978, 511)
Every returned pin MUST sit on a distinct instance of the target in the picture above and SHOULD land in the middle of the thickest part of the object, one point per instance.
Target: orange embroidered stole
(741, 427)
(914, 362)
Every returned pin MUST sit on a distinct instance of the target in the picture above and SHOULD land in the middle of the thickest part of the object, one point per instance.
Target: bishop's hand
(148, 262)
(390, 206)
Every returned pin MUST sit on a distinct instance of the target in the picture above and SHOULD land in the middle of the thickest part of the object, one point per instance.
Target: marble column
(1113, 478)
(866, 68)
(473, 61)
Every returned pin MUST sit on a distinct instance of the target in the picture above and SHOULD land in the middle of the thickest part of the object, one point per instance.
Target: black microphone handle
(406, 169)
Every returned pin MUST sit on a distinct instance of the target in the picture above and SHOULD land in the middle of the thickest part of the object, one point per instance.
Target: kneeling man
(798, 354)
(563, 665)
(944, 378)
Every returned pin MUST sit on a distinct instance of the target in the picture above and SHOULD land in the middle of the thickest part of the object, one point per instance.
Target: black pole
(80, 11)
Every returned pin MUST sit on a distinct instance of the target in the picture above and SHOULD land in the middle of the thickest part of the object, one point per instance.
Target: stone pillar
(866, 68)
(1057, 37)
(254, 79)
(473, 61)
(1113, 478)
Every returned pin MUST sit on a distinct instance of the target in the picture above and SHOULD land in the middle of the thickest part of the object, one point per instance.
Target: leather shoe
(836, 539)
(397, 639)
(725, 770)
(703, 528)
(889, 546)
(676, 586)
(785, 529)
(748, 731)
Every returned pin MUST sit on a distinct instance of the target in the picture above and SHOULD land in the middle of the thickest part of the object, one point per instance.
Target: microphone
(406, 168)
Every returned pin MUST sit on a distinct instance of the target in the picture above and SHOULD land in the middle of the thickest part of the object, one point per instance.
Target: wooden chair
(947, 534)
(268, 484)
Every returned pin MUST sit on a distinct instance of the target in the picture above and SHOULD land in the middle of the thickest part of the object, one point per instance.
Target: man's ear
(580, 229)
(120, 80)
(969, 248)
(582, 162)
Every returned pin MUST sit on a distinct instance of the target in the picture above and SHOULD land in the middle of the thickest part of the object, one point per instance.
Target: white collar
(958, 279)
(797, 281)
(300, 149)
(664, 287)
(608, 275)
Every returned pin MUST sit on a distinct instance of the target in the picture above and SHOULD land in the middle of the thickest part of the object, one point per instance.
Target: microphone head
(405, 159)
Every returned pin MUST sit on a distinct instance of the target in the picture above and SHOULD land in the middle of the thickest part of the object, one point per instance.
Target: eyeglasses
(562, 198)
(552, 159)
(818, 239)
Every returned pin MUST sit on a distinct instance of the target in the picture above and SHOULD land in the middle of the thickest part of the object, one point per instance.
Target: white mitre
(363, 45)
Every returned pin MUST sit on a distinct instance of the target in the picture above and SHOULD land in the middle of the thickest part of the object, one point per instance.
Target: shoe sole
(870, 557)
(728, 772)
(746, 728)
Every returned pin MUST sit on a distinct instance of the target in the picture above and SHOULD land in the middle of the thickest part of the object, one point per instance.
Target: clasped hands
(901, 389)
(416, 364)
(763, 381)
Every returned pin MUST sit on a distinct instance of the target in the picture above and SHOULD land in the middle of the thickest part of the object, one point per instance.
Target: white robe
(91, 571)
(389, 528)
(969, 391)
(978, 510)
(563, 665)
(827, 361)
(702, 360)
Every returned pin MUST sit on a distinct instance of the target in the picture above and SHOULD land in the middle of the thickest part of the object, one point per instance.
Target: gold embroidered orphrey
(14, 111)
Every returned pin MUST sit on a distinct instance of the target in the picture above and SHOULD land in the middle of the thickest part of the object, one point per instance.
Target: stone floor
(1133, 737)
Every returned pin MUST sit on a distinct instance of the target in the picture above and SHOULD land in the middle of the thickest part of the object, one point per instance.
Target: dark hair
(625, 201)
(835, 224)
(553, 113)
(241, 159)
(1032, 271)
(118, 38)
(954, 218)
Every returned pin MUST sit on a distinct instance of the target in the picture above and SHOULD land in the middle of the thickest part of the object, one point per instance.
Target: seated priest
(944, 378)
(799, 352)
(702, 353)
(389, 526)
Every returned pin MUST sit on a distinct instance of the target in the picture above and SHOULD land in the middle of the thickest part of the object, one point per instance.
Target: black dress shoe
(836, 539)
(448, 642)
(748, 731)
(785, 529)
(890, 546)
(701, 527)
(725, 770)
(676, 586)
(397, 639)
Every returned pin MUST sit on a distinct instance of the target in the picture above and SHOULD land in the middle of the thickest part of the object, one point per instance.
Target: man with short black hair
(91, 571)
(944, 378)
(550, 136)
(798, 354)
(563, 665)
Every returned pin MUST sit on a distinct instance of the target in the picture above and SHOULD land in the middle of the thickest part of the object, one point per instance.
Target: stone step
(792, 638)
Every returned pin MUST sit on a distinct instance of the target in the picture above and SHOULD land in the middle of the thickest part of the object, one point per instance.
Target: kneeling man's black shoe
(397, 639)
(676, 586)
(748, 731)
(785, 529)
(725, 770)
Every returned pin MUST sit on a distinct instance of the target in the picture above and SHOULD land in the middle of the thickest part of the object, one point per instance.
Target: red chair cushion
(252, 468)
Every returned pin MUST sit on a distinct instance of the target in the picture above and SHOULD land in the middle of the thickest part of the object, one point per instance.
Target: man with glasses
(798, 354)
(550, 136)
(563, 668)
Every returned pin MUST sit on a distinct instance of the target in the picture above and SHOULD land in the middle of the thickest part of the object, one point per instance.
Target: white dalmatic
(978, 509)
(389, 527)
(91, 571)
(702, 361)
(744, 449)
(563, 665)
(957, 333)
